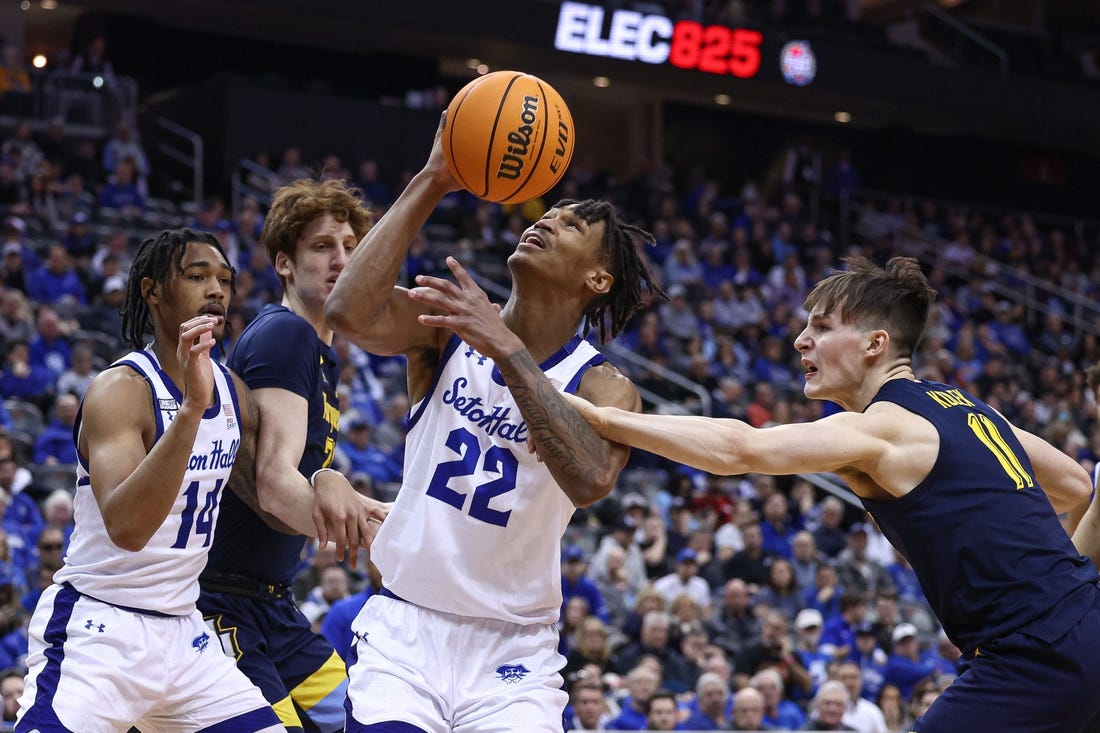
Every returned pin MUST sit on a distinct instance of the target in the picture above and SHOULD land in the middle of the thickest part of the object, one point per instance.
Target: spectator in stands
(773, 650)
(807, 628)
(375, 192)
(614, 587)
(124, 144)
(23, 380)
(780, 592)
(654, 642)
(830, 703)
(589, 706)
(621, 535)
(104, 314)
(55, 443)
(751, 563)
(661, 712)
(734, 625)
(830, 537)
(14, 269)
(86, 164)
(367, 457)
(862, 715)
(50, 348)
(56, 281)
(78, 240)
(57, 510)
(855, 569)
(946, 656)
(804, 560)
(92, 59)
(685, 580)
(11, 687)
(16, 323)
(870, 657)
(23, 150)
(574, 582)
(13, 635)
(895, 711)
(332, 587)
(592, 649)
(712, 694)
(290, 167)
(838, 634)
(122, 194)
(778, 711)
(748, 710)
(641, 683)
(78, 377)
(906, 666)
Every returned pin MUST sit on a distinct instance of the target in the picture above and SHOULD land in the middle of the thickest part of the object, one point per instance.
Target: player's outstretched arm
(1066, 483)
(136, 481)
(365, 305)
(730, 447)
(1086, 538)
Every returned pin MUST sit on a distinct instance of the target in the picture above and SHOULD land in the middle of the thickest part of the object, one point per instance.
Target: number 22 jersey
(477, 525)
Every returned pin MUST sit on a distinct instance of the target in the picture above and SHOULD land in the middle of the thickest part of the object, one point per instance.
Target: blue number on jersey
(204, 524)
(497, 460)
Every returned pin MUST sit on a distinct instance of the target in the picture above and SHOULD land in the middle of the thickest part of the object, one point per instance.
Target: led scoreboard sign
(655, 39)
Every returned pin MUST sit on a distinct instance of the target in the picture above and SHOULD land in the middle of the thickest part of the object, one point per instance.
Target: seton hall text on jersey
(216, 457)
(493, 422)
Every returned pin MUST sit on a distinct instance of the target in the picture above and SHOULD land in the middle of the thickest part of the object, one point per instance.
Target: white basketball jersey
(477, 525)
(162, 576)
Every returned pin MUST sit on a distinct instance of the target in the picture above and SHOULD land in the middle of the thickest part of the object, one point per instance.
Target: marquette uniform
(246, 594)
(998, 568)
(118, 639)
(470, 561)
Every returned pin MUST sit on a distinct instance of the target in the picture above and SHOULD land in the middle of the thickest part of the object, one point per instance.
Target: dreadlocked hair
(619, 254)
(157, 258)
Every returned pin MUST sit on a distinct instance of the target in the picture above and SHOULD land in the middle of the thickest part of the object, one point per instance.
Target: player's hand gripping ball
(509, 137)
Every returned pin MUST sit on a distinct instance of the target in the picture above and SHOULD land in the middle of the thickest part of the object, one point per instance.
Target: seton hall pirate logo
(512, 673)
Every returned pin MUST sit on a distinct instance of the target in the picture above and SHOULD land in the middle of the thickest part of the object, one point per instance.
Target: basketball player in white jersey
(117, 641)
(463, 636)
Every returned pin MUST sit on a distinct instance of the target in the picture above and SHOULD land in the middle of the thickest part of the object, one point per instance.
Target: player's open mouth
(534, 240)
(811, 370)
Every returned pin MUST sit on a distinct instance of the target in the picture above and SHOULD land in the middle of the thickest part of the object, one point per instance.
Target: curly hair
(619, 254)
(301, 201)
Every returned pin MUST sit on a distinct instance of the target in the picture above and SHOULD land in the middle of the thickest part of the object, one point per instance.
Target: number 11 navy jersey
(979, 531)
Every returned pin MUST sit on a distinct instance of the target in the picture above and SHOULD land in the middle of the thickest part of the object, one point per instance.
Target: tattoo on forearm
(572, 450)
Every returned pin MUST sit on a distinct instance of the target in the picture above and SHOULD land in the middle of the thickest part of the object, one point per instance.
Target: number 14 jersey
(477, 525)
(163, 576)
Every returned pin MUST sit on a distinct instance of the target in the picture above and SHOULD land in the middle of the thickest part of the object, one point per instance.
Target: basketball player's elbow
(337, 312)
(125, 534)
(597, 486)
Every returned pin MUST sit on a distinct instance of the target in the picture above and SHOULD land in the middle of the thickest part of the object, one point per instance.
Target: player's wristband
(313, 478)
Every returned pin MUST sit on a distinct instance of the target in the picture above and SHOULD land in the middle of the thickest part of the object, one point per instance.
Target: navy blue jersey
(979, 531)
(279, 349)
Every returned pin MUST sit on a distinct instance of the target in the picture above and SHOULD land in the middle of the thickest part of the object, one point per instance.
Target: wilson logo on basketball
(508, 137)
(511, 165)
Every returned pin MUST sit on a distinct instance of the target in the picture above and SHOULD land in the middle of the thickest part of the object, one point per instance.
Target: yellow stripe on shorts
(287, 713)
(321, 683)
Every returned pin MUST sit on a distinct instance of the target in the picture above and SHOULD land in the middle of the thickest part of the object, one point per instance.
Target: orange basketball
(509, 137)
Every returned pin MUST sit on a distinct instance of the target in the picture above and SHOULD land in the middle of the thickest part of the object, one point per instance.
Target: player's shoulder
(604, 384)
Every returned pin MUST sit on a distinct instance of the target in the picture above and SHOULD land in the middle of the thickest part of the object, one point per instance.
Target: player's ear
(878, 341)
(282, 264)
(149, 290)
(600, 281)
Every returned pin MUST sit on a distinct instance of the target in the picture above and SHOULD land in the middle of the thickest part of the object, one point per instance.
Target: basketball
(508, 137)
